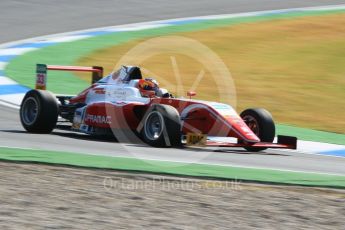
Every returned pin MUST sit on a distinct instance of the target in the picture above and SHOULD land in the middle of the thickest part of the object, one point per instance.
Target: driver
(148, 85)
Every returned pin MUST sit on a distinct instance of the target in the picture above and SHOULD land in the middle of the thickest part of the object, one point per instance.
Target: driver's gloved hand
(167, 95)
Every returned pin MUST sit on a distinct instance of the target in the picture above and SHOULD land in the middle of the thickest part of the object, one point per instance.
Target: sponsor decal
(233, 117)
(41, 76)
(99, 119)
(117, 94)
(219, 106)
(78, 118)
(41, 68)
(223, 109)
(99, 91)
(83, 127)
(196, 139)
(76, 126)
(119, 103)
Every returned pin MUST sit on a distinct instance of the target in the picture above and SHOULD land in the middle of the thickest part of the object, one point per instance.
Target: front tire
(39, 111)
(260, 121)
(161, 126)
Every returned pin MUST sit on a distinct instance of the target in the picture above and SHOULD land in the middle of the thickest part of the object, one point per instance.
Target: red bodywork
(200, 118)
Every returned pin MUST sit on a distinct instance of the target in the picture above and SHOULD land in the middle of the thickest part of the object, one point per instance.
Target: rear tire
(162, 126)
(260, 121)
(39, 111)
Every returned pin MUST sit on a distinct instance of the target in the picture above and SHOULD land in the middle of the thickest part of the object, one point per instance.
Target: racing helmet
(148, 84)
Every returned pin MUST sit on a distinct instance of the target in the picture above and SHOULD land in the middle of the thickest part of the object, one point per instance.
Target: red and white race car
(128, 106)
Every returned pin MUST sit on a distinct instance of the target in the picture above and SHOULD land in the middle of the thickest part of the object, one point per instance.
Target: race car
(131, 107)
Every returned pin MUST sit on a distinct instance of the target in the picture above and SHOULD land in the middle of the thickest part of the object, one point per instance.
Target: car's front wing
(284, 142)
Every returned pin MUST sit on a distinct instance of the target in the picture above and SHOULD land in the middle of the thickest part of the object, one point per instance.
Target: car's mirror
(191, 94)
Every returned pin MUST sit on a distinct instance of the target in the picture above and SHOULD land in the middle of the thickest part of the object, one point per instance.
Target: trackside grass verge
(195, 170)
(311, 135)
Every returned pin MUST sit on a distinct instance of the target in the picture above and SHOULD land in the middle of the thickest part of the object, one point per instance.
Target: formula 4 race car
(128, 106)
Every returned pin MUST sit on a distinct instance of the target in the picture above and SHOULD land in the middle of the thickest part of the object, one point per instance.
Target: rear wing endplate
(42, 69)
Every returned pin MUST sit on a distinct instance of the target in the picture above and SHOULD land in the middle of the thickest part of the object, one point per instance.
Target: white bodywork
(120, 92)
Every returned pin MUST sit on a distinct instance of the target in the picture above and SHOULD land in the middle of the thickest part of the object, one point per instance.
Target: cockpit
(132, 76)
(123, 75)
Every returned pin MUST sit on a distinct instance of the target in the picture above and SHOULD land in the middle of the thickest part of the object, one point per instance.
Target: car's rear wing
(42, 69)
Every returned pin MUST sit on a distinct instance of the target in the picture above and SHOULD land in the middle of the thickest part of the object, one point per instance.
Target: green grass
(195, 170)
(311, 135)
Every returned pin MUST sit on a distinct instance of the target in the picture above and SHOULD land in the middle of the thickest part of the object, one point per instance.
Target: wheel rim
(252, 123)
(154, 125)
(29, 111)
